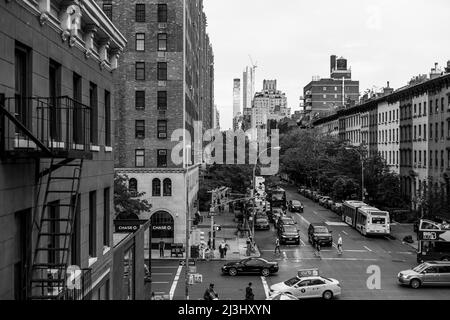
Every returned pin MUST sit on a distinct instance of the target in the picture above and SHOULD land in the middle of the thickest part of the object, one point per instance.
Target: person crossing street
(339, 245)
(277, 246)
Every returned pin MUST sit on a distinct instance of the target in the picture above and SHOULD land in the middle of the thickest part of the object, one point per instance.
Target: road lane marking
(368, 249)
(161, 274)
(335, 245)
(175, 282)
(315, 213)
(302, 242)
(161, 282)
(344, 232)
(266, 287)
(355, 251)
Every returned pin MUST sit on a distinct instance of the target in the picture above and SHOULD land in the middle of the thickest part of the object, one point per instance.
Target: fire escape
(55, 133)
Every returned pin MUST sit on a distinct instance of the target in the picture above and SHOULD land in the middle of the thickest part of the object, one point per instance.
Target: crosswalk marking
(344, 232)
(266, 287)
(368, 249)
(175, 282)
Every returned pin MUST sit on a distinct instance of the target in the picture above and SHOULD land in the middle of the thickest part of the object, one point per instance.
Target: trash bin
(195, 252)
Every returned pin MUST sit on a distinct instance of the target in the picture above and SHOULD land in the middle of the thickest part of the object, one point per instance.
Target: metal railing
(50, 125)
(82, 292)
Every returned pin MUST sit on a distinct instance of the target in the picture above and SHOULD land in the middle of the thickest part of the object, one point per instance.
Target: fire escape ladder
(54, 222)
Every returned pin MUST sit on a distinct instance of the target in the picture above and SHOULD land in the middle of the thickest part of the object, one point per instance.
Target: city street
(360, 253)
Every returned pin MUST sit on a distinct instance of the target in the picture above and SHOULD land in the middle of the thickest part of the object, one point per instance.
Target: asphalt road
(351, 268)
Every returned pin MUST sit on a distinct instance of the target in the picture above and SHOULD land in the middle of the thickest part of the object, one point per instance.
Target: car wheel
(232, 272)
(265, 272)
(327, 295)
(415, 283)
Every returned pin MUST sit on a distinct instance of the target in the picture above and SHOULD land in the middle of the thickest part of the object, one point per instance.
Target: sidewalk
(229, 233)
(400, 231)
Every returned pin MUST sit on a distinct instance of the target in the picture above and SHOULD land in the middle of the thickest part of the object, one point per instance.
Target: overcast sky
(292, 40)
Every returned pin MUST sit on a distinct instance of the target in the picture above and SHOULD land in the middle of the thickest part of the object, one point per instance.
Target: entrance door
(162, 228)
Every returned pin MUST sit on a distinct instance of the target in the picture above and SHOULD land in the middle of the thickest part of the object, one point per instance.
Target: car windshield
(321, 229)
(290, 228)
(420, 268)
(263, 221)
(291, 282)
(287, 221)
(296, 203)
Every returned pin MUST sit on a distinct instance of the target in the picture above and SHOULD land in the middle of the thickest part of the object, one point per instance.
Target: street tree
(128, 203)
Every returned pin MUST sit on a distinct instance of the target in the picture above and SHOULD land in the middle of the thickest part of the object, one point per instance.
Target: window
(162, 41)
(140, 100)
(436, 159)
(424, 132)
(54, 104)
(23, 226)
(140, 158)
(78, 123)
(22, 85)
(442, 159)
(437, 131)
(75, 246)
(324, 88)
(140, 12)
(53, 226)
(140, 41)
(431, 131)
(424, 108)
(156, 188)
(162, 71)
(424, 158)
(140, 70)
(437, 105)
(133, 186)
(162, 158)
(162, 13)
(140, 129)
(106, 217)
(92, 224)
(107, 9)
(108, 119)
(162, 100)
(442, 130)
(162, 129)
(167, 188)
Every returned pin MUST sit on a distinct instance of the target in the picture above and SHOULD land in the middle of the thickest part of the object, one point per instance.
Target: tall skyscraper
(165, 83)
(236, 97)
(248, 87)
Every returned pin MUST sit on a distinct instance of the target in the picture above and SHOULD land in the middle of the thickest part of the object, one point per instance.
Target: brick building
(165, 84)
(323, 96)
(57, 63)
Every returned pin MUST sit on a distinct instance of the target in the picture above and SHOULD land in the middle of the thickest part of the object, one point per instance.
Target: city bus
(434, 241)
(349, 211)
(372, 221)
(277, 198)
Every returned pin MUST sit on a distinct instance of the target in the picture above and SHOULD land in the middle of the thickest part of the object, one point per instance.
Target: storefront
(163, 228)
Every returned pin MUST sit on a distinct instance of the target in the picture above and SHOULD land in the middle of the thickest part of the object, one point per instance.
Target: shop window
(156, 188)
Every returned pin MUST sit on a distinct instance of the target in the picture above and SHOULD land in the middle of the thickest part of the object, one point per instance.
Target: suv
(288, 234)
(262, 223)
(319, 232)
(323, 200)
(337, 207)
(428, 273)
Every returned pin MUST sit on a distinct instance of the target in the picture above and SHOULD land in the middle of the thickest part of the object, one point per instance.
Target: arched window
(133, 186)
(167, 188)
(156, 188)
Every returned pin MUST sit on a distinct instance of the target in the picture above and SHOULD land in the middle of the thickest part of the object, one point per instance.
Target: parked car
(288, 234)
(295, 206)
(329, 204)
(308, 193)
(251, 265)
(337, 207)
(323, 200)
(431, 273)
(319, 232)
(262, 223)
(308, 287)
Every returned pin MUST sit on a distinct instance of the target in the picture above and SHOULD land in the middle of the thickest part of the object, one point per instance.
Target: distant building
(216, 120)
(248, 88)
(325, 96)
(236, 97)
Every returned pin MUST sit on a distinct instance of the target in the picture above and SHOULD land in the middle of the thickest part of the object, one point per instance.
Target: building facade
(324, 96)
(57, 63)
(165, 88)
(236, 97)
(409, 128)
(248, 87)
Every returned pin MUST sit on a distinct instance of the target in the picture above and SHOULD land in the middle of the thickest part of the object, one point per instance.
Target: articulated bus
(366, 219)
(434, 241)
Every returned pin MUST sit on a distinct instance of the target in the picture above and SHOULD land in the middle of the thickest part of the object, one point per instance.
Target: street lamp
(363, 196)
(254, 184)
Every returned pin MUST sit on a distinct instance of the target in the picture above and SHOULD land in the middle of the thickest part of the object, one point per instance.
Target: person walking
(221, 249)
(339, 245)
(318, 249)
(249, 292)
(226, 247)
(277, 246)
(210, 294)
(162, 246)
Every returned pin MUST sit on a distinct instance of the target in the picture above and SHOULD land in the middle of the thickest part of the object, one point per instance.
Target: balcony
(56, 127)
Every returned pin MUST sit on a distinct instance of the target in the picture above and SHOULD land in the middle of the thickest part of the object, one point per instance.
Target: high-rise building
(236, 97)
(248, 88)
(325, 96)
(165, 84)
(56, 149)
(216, 118)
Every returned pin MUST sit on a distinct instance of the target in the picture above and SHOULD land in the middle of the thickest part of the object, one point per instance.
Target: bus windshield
(378, 220)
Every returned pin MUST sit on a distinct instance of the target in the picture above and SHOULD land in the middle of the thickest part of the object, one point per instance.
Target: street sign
(195, 278)
(192, 269)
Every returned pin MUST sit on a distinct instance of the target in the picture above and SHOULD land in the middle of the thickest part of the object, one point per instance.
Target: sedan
(262, 224)
(309, 287)
(295, 206)
(251, 265)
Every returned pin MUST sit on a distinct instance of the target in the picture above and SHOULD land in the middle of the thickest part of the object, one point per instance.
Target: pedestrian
(249, 247)
(162, 246)
(249, 292)
(226, 248)
(318, 249)
(339, 246)
(210, 294)
(277, 245)
(221, 249)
